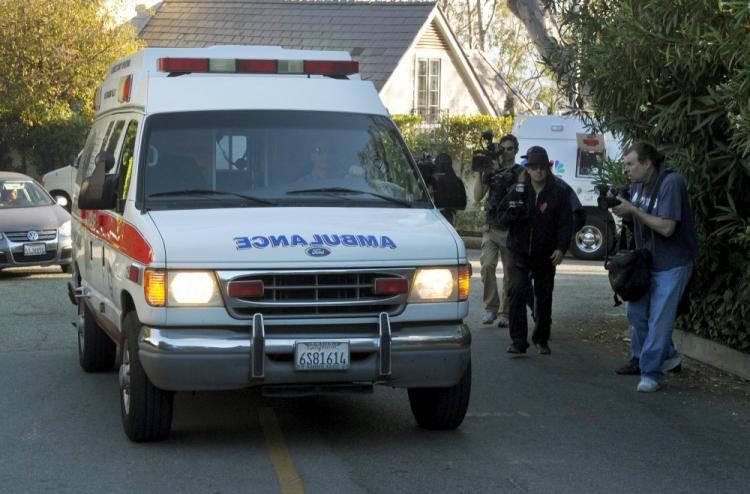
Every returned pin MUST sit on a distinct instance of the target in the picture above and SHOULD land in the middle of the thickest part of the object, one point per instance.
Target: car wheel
(146, 410)
(96, 351)
(441, 408)
(589, 242)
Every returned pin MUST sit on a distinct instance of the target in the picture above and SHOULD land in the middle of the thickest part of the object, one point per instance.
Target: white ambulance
(576, 155)
(250, 216)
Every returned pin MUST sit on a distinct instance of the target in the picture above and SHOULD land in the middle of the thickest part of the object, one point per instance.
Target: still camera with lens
(605, 200)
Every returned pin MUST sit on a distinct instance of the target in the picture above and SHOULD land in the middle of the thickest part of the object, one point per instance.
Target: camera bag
(630, 271)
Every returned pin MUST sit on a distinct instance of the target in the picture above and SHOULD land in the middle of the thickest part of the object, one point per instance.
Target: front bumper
(410, 356)
(59, 251)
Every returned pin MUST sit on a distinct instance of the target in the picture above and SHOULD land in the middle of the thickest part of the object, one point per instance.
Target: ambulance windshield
(280, 158)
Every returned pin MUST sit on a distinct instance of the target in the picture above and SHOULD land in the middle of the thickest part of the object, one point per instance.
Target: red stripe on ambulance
(119, 234)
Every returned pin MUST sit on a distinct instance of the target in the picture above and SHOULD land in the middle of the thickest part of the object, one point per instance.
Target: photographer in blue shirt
(669, 234)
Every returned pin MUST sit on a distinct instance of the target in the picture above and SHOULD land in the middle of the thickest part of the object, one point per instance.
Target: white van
(59, 183)
(250, 216)
(575, 154)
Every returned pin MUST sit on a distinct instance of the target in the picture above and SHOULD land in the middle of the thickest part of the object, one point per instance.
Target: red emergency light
(125, 88)
(245, 289)
(390, 286)
(183, 64)
(330, 67)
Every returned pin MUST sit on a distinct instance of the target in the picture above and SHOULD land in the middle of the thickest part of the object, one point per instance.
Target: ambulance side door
(101, 224)
(115, 260)
(85, 235)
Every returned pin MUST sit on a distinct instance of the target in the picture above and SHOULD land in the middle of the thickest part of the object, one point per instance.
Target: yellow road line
(289, 480)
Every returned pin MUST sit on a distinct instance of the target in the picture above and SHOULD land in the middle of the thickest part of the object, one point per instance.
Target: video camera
(482, 159)
(605, 201)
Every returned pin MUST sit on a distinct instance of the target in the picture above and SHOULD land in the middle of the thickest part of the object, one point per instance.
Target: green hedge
(458, 136)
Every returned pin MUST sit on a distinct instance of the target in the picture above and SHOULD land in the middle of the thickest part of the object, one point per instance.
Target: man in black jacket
(540, 223)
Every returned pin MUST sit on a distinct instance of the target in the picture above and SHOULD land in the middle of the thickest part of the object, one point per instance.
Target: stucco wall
(400, 92)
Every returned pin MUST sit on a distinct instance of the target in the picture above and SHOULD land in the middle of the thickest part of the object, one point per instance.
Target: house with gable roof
(406, 49)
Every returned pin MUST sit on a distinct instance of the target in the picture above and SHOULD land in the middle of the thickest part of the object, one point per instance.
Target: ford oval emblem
(317, 251)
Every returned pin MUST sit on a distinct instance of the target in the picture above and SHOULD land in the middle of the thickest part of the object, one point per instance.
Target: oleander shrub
(677, 72)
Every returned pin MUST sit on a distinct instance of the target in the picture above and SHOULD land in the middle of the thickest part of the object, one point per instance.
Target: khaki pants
(494, 243)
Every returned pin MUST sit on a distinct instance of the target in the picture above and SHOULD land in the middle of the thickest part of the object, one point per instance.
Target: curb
(712, 353)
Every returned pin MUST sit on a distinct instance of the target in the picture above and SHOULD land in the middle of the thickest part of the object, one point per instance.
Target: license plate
(321, 355)
(34, 249)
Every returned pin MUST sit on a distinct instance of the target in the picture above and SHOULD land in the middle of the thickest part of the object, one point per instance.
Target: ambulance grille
(315, 294)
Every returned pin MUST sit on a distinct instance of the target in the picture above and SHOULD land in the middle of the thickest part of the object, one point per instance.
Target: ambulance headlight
(440, 284)
(193, 288)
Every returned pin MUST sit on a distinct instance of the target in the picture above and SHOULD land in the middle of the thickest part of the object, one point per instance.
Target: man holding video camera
(538, 213)
(489, 177)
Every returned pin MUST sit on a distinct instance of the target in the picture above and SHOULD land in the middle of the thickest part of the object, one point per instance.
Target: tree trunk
(531, 14)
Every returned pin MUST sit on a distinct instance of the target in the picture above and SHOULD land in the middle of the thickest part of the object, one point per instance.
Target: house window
(428, 89)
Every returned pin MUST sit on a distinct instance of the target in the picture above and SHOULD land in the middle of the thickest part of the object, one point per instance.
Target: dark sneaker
(632, 368)
(513, 348)
(543, 349)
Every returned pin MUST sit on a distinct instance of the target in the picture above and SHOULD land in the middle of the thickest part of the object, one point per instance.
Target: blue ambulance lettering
(317, 239)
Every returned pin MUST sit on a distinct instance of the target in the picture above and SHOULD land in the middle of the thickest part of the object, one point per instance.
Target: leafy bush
(457, 136)
(678, 73)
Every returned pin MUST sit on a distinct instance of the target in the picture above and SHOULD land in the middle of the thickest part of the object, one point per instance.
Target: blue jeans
(652, 318)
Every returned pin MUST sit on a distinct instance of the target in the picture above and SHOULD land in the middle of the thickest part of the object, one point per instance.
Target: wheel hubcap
(589, 239)
(124, 378)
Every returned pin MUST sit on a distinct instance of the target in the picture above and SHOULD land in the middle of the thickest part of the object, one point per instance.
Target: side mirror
(98, 190)
(448, 191)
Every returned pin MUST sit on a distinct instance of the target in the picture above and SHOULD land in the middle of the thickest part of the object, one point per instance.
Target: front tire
(441, 408)
(96, 351)
(146, 410)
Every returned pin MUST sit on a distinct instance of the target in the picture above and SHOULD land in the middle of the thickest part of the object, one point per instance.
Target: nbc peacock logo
(559, 167)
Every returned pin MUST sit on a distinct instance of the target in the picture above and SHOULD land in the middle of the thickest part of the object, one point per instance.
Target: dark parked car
(34, 229)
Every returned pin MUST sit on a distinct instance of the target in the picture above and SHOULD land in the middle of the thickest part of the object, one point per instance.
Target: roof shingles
(384, 30)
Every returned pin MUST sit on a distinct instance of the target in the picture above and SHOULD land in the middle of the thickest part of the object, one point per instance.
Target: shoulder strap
(652, 201)
(655, 191)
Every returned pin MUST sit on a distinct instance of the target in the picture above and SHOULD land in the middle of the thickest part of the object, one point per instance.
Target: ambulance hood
(284, 238)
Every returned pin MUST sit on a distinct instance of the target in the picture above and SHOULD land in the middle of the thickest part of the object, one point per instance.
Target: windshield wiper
(344, 190)
(208, 192)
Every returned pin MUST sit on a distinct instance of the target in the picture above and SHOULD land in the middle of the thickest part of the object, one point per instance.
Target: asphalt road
(563, 423)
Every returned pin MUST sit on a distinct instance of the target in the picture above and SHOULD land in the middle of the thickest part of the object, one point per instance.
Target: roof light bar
(258, 66)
